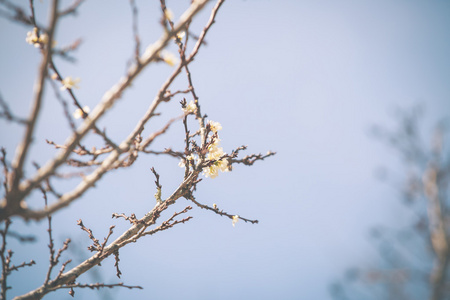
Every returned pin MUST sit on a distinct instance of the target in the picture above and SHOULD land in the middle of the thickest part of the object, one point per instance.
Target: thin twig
(100, 285)
(135, 28)
(219, 212)
(5, 260)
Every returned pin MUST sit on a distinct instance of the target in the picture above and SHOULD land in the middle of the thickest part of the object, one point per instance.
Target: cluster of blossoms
(33, 39)
(215, 155)
(215, 126)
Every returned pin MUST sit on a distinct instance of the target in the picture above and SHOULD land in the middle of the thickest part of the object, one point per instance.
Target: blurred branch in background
(414, 260)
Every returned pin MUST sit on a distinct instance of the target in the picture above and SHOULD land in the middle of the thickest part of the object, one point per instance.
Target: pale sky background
(306, 79)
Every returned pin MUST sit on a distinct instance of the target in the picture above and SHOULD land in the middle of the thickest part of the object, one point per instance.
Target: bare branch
(100, 285)
(96, 244)
(250, 159)
(116, 263)
(24, 264)
(127, 237)
(155, 134)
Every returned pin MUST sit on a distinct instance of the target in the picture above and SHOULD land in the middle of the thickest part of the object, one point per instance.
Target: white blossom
(190, 108)
(235, 220)
(70, 83)
(78, 113)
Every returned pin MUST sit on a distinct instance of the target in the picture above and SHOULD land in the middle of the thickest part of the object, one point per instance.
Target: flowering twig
(151, 54)
(84, 115)
(14, 198)
(201, 151)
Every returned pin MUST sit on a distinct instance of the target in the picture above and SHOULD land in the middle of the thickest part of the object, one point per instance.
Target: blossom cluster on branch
(202, 154)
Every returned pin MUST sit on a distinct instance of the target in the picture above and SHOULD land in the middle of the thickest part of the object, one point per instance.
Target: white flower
(181, 35)
(190, 157)
(235, 220)
(215, 152)
(215, 144)
(211, 171)
(169, 58)
(215, 126)
(69, 83)
(78, 113)
(223, 165)
(190, 108)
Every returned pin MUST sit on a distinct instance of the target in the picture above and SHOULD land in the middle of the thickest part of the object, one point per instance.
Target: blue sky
(306, 79)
